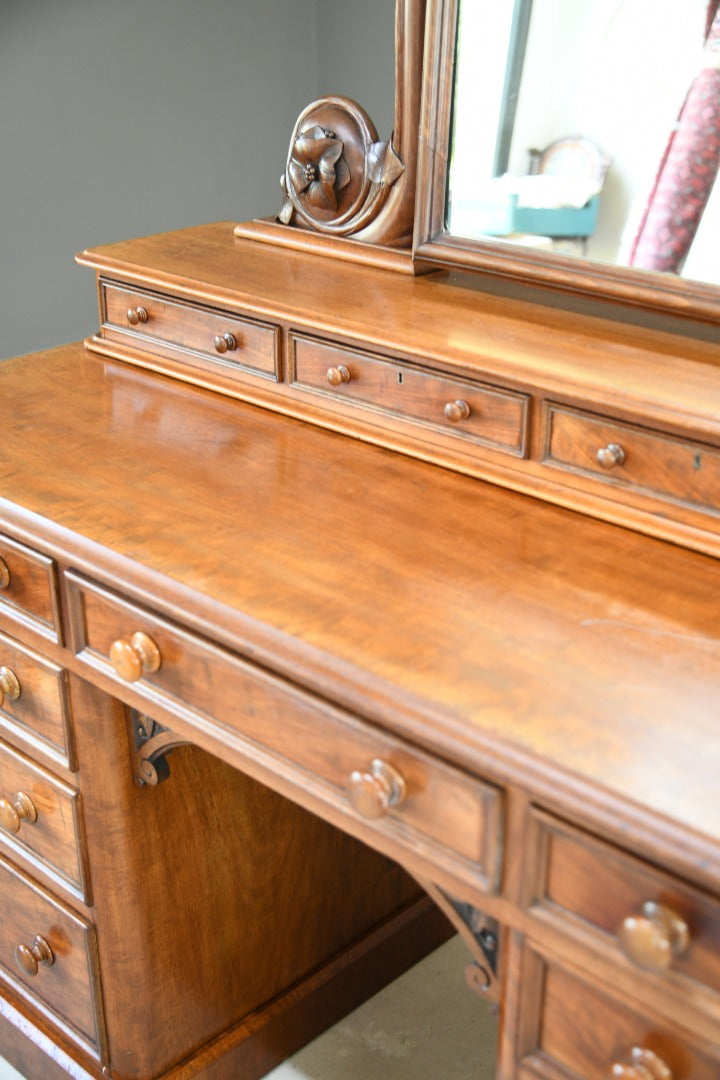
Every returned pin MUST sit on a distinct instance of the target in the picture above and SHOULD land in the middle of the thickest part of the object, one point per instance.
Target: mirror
(544, 125)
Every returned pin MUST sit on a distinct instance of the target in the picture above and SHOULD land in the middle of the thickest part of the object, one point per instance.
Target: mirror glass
(561, 116)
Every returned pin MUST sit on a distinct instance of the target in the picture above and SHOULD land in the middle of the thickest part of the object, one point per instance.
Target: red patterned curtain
(688, 168)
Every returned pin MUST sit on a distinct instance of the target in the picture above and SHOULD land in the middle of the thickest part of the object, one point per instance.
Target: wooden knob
(134, 657)
(29, 957)
(611, 455)
(455, 411)
(338, 375)
(654, 937)
(373, 792)
(225, 343)
(16, 810)
(643, 1065)
(4, 575)
(137, 315)
(9, 685)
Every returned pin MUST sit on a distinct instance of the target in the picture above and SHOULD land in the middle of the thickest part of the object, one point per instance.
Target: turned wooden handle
(9, 685)
(137, 315)
(29, 957)
(611, 455)
(15, 810)
(653, 937)
(455, 411)
(225, 343)
(643, 1065)
(135, 656)
(375, 790)
(336, 376)
(4, 575)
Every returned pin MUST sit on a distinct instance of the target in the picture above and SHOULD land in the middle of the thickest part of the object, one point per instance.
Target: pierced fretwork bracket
(480, 933)
(151, 742)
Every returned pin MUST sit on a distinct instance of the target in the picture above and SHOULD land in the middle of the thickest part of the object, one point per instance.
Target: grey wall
(120, 118)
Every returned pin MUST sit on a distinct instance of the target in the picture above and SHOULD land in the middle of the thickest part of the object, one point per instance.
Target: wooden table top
(489, 623)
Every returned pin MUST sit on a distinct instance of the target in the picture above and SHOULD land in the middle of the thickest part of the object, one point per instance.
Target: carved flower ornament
(318, 169)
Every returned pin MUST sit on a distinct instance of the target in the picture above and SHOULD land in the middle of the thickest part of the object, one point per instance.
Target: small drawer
(614, 900)
(441, 810)
(28, 589)
(40, 819)
(224, 338)
(623, 455)
(571, 1029)
(36, 710)
(32, 922)
(468, 411)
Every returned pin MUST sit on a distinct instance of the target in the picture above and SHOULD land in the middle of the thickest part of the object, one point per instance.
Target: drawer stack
(621, 968)
(48, 954)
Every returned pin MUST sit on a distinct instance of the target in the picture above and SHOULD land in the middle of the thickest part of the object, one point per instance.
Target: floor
(426, 1026)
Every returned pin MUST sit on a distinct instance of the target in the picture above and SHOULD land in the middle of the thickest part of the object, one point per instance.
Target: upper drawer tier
(28, 588)
(623, 455)
(433, 808)
(616, 901)
(467, 411)
(158, 321)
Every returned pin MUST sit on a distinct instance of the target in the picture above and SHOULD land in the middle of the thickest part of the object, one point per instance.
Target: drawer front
(39, 716)
(28, 592)
(40, 818)
(444, 810)
(68, 986)
(250, 345)
(573, 1030)
(469, 411)
(589, 887)
(623, 455)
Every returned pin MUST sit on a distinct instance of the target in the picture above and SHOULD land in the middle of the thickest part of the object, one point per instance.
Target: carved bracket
(151, 743)
(482, 936)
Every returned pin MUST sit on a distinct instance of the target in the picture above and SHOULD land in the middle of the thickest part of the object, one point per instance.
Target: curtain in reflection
(688, 168)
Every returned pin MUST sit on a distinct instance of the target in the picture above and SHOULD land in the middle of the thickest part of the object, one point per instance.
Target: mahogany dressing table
(343, 605)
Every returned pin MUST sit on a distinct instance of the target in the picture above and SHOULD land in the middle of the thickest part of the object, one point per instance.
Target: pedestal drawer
(223, 337)
(660, 925)
(466, 411)
(28, 588)
(40, 818)
(624, 455)
(48, 953)
(36, 710)
(439, 808)
(573, 1030)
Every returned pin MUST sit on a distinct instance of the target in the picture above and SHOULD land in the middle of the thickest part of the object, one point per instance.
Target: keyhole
(697, 461)
(400, 377)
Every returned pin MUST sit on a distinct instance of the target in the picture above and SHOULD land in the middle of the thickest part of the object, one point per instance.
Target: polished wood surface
(319, 640)
(511, 644)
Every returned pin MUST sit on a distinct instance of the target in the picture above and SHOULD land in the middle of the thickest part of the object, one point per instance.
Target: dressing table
(342, 605)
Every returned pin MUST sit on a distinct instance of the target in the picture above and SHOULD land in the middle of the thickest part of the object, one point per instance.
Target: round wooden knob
(16, 810)
(134, 657)
(373, 792)
(611, 455)
(137, 315)
(653, 937)
(4, 575)
(225, 343)
(643, 1065)
(336, 376)
(9, 685)
(455, 411)
(29, 957)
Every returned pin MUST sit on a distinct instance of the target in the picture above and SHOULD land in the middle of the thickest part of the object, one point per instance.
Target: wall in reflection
(613, 71)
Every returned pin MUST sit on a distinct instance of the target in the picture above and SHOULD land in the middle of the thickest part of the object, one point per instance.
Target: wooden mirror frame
(593, 281)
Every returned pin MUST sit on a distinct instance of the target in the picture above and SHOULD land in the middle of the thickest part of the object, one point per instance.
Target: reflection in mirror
(562, 116)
